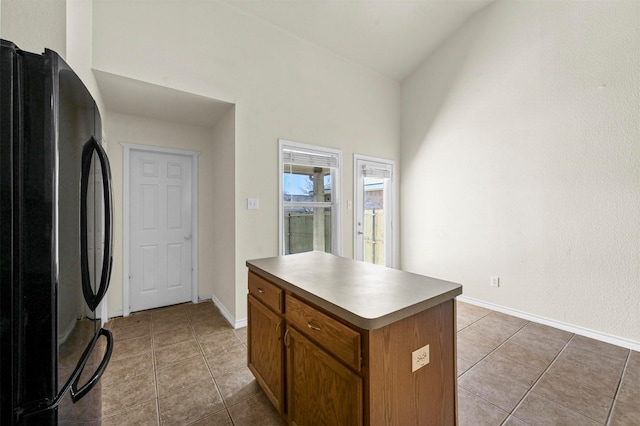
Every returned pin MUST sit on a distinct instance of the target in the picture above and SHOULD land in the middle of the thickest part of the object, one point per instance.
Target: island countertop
(368, 296)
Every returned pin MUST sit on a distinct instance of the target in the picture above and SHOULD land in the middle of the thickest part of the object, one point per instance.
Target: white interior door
(373, 183)
(160, 264)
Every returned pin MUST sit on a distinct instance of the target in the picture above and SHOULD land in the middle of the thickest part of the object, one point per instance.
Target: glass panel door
(373, 211)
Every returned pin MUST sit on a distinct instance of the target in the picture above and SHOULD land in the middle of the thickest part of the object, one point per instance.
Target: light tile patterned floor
(515, 372)
(184, 365)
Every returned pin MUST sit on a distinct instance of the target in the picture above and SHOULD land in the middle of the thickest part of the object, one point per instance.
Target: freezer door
(28, 349)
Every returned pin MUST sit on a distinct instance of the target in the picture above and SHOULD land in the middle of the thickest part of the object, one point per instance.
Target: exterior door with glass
(373, 183)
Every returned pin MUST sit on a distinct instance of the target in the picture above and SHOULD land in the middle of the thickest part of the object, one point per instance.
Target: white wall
(35, 24)
(521, 159)
(220, 202)
(65, 27)
(282, 87)
(123, 128)
(79, 45)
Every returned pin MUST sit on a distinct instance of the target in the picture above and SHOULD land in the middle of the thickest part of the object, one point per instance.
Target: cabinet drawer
(265, 292)
(336, 338)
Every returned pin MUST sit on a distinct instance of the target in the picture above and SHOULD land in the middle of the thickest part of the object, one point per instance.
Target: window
(309, 198)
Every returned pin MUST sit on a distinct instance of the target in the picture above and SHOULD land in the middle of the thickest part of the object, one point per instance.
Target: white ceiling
(135, 97)
(392, 37)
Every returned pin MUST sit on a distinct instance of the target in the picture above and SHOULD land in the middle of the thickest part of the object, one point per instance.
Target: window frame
(336, 175)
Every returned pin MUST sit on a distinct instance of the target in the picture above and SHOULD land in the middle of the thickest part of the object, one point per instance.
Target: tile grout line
(493, 350)
(473, 322)
(538, 380)
(153, 339)
(215, 383)
(615, 395)
(155, 371)
(163, 320)
(510, 414)
(116, 324)
(486, 356)
(201, 351)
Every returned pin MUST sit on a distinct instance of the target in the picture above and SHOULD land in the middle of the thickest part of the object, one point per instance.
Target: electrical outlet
(419, 358)
(494, 282)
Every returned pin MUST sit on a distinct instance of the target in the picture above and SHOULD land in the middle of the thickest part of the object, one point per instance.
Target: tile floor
(515, 372)
(184, 365)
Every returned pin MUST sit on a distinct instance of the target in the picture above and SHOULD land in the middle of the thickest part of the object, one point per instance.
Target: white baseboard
(614, 340)
(114, 314)
(235, 324)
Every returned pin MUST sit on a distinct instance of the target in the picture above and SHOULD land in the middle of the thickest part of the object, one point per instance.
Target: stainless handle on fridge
(91, 146)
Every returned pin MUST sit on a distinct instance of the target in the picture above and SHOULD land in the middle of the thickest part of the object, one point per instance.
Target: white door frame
(126, 218)
(389, 199)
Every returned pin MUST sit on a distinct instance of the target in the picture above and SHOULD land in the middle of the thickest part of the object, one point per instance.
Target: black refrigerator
(55, 242)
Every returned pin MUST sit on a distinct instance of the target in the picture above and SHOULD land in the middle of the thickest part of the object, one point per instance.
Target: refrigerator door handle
(77, 394)
(72, 382)
(93, 299)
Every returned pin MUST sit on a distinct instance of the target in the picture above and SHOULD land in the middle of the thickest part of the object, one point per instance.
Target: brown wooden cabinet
(265, 350)
(341, 364)
(320, 390)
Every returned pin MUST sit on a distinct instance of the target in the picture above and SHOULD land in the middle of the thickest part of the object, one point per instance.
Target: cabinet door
(265, 351)
(320, 390)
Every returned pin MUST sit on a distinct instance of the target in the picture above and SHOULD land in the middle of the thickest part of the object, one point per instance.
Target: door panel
(373, 183)
(265, 351)
(149, 264)
(174, 207)
(149, 206)
(160, 226)
(320, 390)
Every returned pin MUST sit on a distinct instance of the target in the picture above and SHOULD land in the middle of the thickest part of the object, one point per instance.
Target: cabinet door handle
(278, 329)
(260, 290)
(313, 327)
(286, 338)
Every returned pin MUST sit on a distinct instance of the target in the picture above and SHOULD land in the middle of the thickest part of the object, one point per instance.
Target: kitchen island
(337, 341)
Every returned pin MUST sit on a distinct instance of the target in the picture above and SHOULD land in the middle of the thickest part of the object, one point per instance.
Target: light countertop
(368, 296)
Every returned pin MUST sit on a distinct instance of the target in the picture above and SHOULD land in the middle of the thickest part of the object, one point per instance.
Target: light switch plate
(253, 203)
(419, 358)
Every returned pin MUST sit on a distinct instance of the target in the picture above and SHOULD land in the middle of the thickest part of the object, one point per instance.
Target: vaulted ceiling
(392, 37)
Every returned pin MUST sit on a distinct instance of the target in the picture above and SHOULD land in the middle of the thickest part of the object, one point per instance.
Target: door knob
(187, 237)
